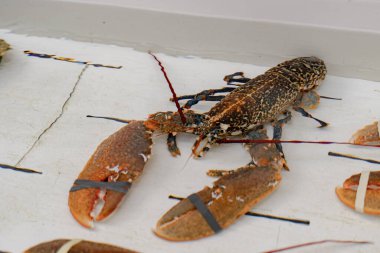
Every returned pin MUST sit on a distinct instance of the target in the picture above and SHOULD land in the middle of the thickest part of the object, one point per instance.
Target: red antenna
(183, 118)
(296, 142)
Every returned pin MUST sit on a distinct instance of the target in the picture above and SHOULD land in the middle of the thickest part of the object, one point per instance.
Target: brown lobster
(120, 159)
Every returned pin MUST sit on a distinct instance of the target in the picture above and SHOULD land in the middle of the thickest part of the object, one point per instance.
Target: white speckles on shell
(251, 126)
(144, 157)
(273, 184)
(216, 195)
(224, 127)
(240, 199)
(115, 169)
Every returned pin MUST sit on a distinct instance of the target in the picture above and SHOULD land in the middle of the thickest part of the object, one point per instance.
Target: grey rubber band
(80, 184)
(205, 212)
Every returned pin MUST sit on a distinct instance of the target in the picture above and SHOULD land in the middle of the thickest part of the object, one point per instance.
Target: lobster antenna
(325, 97)
(183, 118)
(110, 118)
(315, 243)
(10, 167)
(353, 157)
(297, 142)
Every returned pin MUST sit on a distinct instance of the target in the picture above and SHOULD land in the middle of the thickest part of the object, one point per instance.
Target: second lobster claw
(348, 193)
(230, 197)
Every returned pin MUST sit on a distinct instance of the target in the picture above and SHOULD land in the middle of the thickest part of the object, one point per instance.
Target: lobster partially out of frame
(348, 194)
(248, 105)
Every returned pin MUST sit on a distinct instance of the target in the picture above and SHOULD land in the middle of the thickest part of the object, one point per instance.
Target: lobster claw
(348, 193)
(231, 196)
(369, 135)
(107, 176)
(75, 246)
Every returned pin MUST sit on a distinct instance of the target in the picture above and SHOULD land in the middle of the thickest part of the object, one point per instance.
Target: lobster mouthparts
(117, 162)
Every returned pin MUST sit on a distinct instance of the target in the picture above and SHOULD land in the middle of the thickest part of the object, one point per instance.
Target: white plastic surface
(34, 207)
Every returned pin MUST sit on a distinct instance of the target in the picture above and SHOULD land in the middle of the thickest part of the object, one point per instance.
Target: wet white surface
(44, 127)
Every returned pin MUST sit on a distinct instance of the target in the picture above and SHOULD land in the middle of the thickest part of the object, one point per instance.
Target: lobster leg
(308, 115)
(171, 142)
(308, 100)
(231, 79)
(195, 101)
(277, 131)
(206, 95)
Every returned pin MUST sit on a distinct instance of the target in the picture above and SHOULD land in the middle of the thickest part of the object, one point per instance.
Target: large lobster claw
(230, 197)
(233, 194)
(75, 246)
(109, 173)
(348, 193)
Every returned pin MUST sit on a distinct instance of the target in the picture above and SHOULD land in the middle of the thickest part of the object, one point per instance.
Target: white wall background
(347, 14)
(346, 34)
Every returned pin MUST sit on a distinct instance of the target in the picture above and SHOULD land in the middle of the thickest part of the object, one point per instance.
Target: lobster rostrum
(120, 159)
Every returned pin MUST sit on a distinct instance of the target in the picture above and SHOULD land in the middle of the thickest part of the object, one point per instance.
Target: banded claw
(233, 194)
(230, 197)
(75, 246)
(347, 193)
(117, 162)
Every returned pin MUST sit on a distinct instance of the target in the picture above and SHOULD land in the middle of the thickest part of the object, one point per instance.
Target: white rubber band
(67, 246)
(361, 191)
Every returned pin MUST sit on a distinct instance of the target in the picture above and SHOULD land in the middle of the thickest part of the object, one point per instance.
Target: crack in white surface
(56, 119)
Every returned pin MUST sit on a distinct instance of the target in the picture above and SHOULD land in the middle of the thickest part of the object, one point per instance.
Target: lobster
(248, 105)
